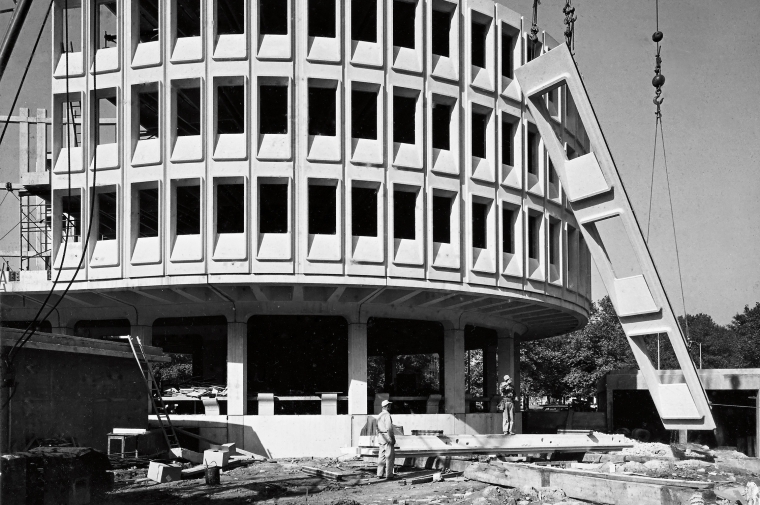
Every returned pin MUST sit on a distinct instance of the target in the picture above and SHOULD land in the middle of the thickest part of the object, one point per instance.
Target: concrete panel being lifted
(584, 164)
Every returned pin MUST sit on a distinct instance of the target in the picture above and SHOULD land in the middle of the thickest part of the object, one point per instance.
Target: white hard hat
(385, 403)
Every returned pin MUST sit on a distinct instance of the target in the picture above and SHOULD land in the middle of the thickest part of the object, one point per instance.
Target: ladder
(159, 408)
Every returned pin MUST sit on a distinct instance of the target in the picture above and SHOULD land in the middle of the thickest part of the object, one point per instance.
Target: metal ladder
(159, 408)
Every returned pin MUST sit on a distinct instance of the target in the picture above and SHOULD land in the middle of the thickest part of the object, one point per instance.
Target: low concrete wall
(322, 436)
(537, 421)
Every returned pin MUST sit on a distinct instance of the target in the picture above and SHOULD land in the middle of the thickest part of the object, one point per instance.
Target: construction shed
(74, 389)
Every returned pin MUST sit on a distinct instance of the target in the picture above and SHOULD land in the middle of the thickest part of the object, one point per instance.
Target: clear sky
(711, 116)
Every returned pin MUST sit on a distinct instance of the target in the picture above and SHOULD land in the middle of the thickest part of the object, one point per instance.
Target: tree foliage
(571, 365)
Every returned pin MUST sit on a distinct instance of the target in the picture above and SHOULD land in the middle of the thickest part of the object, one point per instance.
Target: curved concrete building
(301, 194)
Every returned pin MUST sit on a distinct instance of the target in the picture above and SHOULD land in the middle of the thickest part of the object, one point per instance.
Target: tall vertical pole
(11, 36)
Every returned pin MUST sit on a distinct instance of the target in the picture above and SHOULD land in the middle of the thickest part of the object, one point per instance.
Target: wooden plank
(593, 488)
(320, 472)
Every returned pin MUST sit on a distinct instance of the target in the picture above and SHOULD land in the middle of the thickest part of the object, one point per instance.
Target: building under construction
(313, 198)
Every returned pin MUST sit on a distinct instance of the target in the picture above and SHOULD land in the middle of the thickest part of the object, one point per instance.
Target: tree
(571, 365)
(746, 327)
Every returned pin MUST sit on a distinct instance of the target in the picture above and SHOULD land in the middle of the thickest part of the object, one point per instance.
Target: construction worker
(386, 441)
(506, 405)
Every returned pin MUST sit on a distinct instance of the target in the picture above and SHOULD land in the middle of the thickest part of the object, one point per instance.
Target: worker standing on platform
(386, 442)
(506, 405)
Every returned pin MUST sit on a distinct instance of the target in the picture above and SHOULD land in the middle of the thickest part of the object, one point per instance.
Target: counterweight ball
(657, 36)
(658, 81)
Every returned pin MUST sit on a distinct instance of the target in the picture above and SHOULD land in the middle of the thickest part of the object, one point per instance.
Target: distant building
(301, 194)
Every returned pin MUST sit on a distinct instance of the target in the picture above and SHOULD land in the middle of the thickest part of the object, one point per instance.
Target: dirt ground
(282, 482)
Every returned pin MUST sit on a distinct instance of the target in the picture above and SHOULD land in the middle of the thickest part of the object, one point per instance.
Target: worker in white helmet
(506, 405)
(386, 442)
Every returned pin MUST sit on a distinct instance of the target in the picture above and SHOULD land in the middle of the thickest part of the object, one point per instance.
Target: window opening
(72, 32)
(188, 220)
(322, 107)
(479, 34)
(479, 225)
(442, 219)
(441, 28)
(188, 18)
(230, 109)
(107, 216)
(507, 46)
(364, 20)
(404, 17)
(404, 112)
(322, 18)
(107, 125)
(71, 123)
(230, 208)
(149, 30)
(508, 230)
(553, 242)
(363, 212)
(106, 24)
(364, 114)
(479, 124)
(532, 153)
(552, 173)
(71, 218)
(148, 114)
(322, 208)
(273, 208)
(273, 17)
(149, 211)
(442, 126)
(534, 227)
(507, 151)
(273, 109)
(404, 213)
(188, 111)
(230, 17)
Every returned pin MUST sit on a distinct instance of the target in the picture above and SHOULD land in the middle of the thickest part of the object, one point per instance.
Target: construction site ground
(285, 481)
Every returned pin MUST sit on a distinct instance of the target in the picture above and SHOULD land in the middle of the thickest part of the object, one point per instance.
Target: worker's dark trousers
(385, 457)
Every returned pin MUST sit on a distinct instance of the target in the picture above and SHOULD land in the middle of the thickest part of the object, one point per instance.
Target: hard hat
(506, 377)
(385, 403)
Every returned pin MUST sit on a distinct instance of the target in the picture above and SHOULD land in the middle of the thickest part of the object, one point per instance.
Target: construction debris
(196, 392)
(161, 472)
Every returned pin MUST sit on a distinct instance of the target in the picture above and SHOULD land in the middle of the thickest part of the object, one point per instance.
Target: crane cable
(658, 81)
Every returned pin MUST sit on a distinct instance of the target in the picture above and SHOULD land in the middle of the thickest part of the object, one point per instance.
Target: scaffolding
(35, 231)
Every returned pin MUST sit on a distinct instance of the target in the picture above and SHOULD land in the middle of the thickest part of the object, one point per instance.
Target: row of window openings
(273, 215)
(273, 118)
(273, 20)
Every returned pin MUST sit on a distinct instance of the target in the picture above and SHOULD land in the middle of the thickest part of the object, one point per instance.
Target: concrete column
(757, 424)
(516, 372)
(144, 333)
(237, 369)
(329, 404)
(357, 368)
(506, 352)
(490, 372)
(454, 373)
